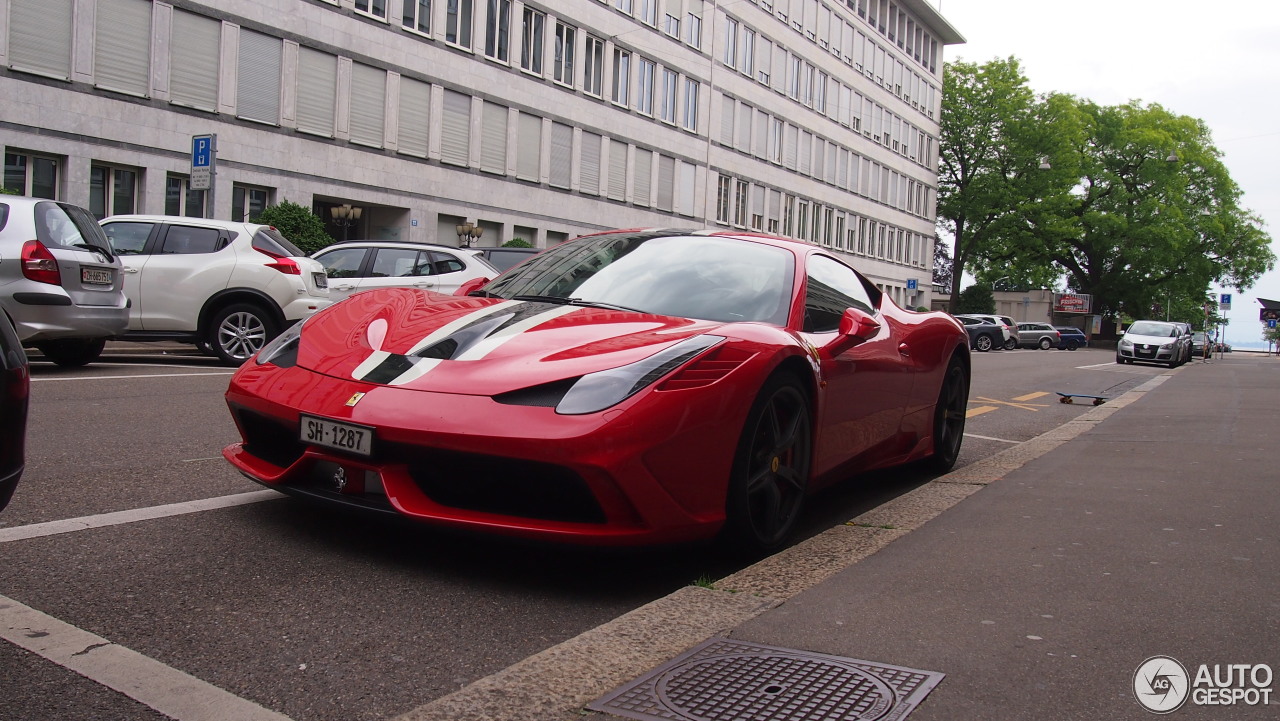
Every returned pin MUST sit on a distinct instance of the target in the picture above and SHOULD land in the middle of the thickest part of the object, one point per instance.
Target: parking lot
(315, 614)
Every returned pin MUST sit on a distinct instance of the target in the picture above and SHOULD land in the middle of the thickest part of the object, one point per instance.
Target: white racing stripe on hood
(488, 345)
(449, 329)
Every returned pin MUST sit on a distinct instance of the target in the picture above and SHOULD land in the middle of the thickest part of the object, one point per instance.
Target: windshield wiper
(95, 249)
(574, 301)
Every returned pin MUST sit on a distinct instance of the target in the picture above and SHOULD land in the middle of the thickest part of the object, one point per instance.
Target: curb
(558, 682)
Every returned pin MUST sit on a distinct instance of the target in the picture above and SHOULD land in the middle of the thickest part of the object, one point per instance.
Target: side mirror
(471, 285)
(858, 324)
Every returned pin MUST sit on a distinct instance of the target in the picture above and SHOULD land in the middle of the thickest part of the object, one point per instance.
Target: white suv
(227, 287)
(356, 265)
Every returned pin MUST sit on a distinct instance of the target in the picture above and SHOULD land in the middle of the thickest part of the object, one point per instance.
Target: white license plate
(336, 435)
(321, 280)
(95, 276)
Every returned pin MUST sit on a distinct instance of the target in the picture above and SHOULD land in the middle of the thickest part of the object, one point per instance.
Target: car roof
(390, 244)
(797, 246)
(185, 220)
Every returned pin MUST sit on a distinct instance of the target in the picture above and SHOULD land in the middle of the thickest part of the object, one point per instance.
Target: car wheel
(949, 418)
(1045, 344)
(1011, 344)
(238, 331)
(984, 343)
(1119, 360)
(771, 467)
(73, 352)
(1072, 345)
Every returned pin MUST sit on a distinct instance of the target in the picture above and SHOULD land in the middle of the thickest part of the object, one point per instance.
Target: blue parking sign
(204, 153)
(1224, 301)
(912, 284)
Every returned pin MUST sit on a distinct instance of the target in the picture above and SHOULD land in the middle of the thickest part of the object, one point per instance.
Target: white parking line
(51, 528)
(990, 438)
(146, 375)
(173, 693)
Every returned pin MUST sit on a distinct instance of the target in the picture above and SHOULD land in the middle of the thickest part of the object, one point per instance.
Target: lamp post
(345, 216)
(468, 233)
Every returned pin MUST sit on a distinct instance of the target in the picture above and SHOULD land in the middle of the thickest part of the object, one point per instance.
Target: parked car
(1184, 338)
(983, 334)
(1009, 328)
(15, 388)
(60, 283)
(353, 266)
(641, 386)
(1071, 337)
(1151, 340)
(505, 257)
(228, 287)
(1038, 335)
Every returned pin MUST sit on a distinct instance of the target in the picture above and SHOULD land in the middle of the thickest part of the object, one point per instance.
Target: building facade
(815, 119)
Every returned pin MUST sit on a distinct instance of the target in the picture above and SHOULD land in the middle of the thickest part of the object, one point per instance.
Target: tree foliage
(942, 273)
(517, 243)
(977, 298)
(297, 224)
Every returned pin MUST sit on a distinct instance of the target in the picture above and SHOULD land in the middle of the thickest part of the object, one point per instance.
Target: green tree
(983, 162)
(298, 224)
(1137, 210)
(517, 243)
(977, 298)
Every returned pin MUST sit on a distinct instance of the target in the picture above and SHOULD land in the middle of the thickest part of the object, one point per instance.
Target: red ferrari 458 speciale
(630, 387)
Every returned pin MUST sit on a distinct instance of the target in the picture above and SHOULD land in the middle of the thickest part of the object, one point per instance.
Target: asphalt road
(320, 615)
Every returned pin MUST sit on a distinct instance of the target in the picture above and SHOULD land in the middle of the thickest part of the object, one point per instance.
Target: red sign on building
(1072, 302)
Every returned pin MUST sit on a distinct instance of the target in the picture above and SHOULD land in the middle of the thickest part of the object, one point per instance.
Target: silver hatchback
(60, 283)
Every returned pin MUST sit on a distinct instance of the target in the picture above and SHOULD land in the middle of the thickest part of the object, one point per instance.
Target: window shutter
(529, 147)
(666, 182)
(806, 152)
(561, 155)
(455, 137)
(642, 174)
(122, 46)
(688, 178)
(762, 135)
(617, 170)
(415, 117)
(589, 173)
(789, 149)
(368, 104)
(40, 37)
(193, 67)
(317, 91)
(744, 128)
(493, 139)
(727, 105)
(258, 90)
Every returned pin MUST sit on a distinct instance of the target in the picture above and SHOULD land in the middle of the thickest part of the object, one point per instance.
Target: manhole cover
(726, 680)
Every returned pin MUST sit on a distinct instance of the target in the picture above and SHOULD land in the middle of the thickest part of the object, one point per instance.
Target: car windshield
(704, 277)
(69, 226)
(1159, 330)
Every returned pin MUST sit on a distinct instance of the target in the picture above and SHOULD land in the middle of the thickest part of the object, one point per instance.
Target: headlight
(1126, 343)
(282, 351)
(1167, 346)
(598, 391)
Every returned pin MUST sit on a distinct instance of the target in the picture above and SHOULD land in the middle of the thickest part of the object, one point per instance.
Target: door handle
(343, 287)
(127, 269)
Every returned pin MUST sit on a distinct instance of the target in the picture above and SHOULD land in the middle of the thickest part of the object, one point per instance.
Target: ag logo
(1161, 684)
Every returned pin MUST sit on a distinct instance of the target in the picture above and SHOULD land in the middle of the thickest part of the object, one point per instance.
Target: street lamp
(345, 216)
(468, 233)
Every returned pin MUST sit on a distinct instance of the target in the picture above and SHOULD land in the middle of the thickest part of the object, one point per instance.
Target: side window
(188, 240)
(831, 289)
(397, 263)
(442, 263)
(342, 263)
(128, 238)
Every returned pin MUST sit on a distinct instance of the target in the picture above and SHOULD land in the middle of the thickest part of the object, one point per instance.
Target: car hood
(1149, 339)
(478, 346)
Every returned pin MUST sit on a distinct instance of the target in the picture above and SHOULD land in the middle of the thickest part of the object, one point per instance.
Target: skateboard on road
(1069, 398)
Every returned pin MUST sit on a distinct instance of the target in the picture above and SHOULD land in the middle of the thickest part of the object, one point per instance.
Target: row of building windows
(116, 189)
(744, 204)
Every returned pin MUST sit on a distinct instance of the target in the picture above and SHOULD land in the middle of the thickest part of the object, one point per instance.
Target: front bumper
(1147, 352)
(652, 470)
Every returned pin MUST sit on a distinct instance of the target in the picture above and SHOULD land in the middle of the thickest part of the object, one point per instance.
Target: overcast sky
(1218, 60)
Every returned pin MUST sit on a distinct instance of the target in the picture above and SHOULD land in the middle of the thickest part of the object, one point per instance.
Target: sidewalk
(1037, 580)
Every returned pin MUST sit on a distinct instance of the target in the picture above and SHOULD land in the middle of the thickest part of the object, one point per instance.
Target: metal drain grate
(727, 680)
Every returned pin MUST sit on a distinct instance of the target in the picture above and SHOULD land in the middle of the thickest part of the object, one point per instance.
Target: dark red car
(15, 387)
(630, 387)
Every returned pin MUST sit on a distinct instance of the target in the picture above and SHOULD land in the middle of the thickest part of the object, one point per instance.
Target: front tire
(73, 352)
(949, 417)
(240, 330)
(771, 467)
(984, 343)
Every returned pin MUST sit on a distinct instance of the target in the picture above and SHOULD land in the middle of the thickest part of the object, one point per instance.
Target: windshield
(704, 277)
(69, 226)
(1159, 330)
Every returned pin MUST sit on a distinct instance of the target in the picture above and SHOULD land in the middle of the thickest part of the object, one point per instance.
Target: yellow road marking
(1024, 406)
(978, 411)
(1031, 396)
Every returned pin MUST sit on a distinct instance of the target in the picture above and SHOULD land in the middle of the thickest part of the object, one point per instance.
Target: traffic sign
(912, 284)
(1224, 301)
(1271, 323)
(204, 157)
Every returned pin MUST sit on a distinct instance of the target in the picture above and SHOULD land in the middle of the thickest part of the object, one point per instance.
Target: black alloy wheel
(949, 418)
(771, 467)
